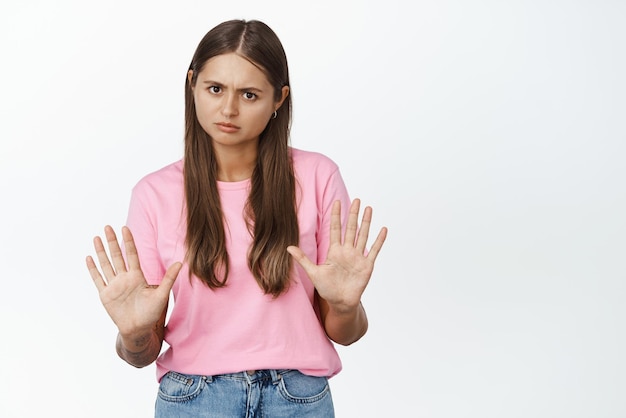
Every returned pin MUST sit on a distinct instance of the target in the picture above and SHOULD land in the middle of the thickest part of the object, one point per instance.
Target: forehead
(232, 68)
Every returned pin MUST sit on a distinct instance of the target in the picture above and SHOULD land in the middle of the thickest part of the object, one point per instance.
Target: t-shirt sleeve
(335, 190)
(142, 225)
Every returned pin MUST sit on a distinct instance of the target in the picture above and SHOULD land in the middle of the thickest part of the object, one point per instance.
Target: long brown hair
(271, 206)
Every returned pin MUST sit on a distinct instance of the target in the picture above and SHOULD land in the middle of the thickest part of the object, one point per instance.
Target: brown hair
(271, 206)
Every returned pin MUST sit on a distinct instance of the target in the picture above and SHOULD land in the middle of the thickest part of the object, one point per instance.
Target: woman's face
(234, 101)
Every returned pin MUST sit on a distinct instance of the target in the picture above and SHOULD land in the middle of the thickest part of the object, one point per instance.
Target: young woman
(251, 332)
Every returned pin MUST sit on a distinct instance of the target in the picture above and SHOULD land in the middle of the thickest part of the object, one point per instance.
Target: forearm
(345, 326)
(139, 350)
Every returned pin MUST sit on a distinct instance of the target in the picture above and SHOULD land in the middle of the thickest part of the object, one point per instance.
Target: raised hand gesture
(343, 277)
(133, 305)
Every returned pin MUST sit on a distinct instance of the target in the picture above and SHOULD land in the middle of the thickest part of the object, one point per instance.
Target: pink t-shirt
(238, 327)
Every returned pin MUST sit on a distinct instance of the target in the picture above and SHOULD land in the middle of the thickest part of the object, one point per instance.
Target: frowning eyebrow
(222, 86)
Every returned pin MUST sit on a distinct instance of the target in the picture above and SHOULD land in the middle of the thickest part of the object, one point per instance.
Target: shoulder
(309, 161)
(167, 179)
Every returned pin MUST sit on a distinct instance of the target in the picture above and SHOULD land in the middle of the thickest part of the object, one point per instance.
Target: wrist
(344, 309)
(136, 336)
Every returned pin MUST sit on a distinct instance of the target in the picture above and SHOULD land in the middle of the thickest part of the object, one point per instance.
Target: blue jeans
(261, 393)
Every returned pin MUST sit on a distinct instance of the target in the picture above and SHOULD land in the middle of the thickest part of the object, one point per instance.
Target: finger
(103, 259)
(364, 229)
(378, 244)
(302, 259)
(335, 223)
(169, 278)
(131, 249)
(95, 274)
(114, 249)
(352, 226)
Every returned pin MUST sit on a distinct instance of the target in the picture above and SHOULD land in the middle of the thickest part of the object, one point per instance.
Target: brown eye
(249, 95)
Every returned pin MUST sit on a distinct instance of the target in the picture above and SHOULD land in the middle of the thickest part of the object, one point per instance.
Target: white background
(489, 136)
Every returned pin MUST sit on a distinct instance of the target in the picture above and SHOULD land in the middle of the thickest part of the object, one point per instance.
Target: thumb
(301, 258)
(170, 277)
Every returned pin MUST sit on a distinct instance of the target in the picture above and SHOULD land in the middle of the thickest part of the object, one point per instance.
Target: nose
(229, 105)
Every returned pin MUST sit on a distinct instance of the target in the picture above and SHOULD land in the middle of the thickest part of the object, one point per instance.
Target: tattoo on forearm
(142, 341)
(146, 350)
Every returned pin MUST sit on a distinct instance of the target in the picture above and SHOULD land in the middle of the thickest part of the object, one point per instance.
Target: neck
(235, 165)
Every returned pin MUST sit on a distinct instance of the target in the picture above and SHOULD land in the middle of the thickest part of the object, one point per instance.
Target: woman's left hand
(343, 277)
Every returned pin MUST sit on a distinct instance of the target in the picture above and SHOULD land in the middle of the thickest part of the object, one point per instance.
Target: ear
(284, 94)
(189, 78)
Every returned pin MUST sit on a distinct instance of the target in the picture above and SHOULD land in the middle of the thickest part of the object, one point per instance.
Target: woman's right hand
(133, 305)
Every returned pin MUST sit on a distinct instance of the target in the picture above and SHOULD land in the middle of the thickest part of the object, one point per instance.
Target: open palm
(131, 303)
(343, 277)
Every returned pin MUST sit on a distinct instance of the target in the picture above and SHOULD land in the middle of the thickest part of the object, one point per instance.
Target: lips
(227, 127)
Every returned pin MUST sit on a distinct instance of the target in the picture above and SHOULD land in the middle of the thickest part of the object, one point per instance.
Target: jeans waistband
(253, 375)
